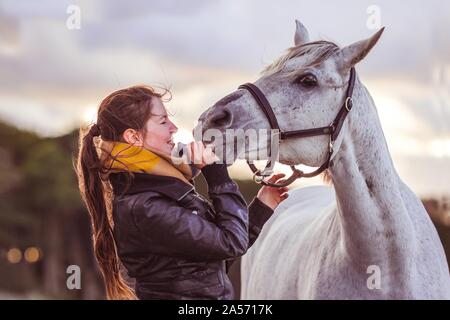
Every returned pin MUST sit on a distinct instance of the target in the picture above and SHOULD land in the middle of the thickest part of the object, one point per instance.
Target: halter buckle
(331, 145)
(348, 103)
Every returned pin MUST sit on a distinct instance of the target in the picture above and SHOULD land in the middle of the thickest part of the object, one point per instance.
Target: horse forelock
(317, 52)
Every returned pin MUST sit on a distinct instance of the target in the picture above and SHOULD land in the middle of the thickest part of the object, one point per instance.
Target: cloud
(416, 172)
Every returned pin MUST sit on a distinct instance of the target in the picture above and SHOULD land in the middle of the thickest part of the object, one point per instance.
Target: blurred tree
(40, 206)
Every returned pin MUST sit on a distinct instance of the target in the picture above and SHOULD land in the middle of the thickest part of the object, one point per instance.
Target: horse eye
(307, 80)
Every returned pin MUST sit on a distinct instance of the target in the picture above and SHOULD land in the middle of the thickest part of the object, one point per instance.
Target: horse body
(300, 255)
(308, 210)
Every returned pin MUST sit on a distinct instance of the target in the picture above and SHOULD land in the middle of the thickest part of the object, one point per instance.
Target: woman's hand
(200, 155)
(271, 196)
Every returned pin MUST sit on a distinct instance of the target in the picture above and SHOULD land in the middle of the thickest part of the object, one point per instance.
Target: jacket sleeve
(178, 232)
(258, 213)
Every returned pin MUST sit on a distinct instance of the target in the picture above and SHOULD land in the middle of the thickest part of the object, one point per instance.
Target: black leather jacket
(175, 243)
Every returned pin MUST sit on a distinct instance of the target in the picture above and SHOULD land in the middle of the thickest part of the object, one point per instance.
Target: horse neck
(369, 194)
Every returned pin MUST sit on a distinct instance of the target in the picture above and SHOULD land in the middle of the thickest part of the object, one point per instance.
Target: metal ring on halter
(348, 103)
(257, 177)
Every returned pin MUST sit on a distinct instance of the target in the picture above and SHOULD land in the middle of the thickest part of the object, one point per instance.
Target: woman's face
(159, 129)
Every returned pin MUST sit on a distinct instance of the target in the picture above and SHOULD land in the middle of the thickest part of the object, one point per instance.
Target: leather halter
(332, 130)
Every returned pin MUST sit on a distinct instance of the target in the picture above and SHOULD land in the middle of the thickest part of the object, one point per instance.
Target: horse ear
(301, 34)
(354, 53)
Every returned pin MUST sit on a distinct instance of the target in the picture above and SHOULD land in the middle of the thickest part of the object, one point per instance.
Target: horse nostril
(221, 118)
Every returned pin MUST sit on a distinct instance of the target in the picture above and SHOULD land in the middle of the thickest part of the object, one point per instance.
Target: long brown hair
(119, 111)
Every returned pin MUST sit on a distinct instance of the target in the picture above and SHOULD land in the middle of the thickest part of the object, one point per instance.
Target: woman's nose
(173, 127)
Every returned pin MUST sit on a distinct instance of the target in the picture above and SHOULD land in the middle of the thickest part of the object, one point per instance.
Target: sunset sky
(53, 77)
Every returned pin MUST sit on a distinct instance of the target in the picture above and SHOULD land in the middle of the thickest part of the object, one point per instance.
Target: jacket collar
(171, 187)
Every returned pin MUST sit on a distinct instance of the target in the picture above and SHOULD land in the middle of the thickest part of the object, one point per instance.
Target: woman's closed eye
(163, 120)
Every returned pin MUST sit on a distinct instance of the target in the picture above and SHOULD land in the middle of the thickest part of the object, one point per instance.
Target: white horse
(368, 236)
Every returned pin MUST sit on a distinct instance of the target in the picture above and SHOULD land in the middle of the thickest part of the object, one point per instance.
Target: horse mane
(317, 51)
(326, 177)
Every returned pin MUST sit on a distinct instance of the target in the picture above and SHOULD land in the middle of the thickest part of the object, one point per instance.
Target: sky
(53, 75)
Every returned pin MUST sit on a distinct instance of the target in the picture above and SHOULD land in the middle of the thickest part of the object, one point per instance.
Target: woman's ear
(133, 137)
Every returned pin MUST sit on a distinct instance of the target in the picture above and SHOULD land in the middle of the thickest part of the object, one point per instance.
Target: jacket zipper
(184, 195)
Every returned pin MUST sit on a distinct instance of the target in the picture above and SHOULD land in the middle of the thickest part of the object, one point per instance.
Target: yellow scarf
(126, 157)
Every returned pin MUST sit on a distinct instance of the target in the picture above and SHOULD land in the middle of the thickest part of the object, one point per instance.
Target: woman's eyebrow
(160, 115)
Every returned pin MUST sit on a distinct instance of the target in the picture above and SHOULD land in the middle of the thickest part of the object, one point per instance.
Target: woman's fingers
(191, 151)
(200, 154)
(283, 190)
(276, 177)
(209, 156)
(284, 196)
(196, 152)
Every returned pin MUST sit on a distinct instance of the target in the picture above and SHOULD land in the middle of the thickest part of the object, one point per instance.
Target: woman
(145, 212)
